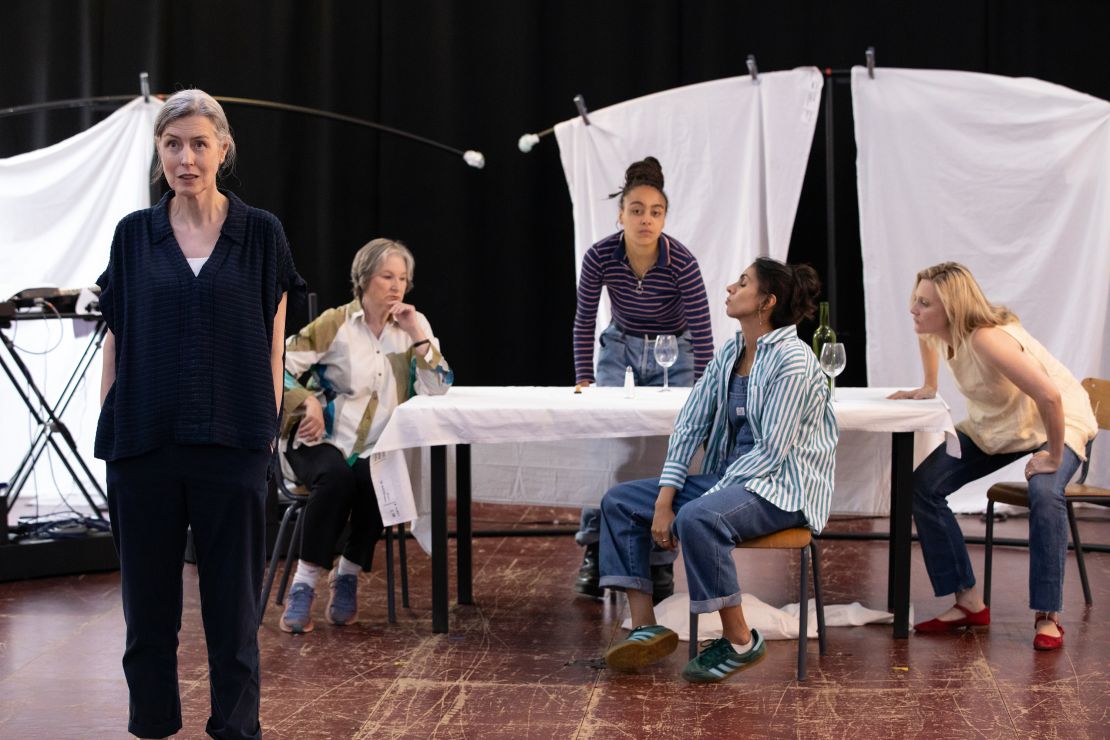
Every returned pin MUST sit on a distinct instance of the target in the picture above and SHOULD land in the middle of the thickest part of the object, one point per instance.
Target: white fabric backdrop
(1010, 177)
(734, 156)
(58, 210)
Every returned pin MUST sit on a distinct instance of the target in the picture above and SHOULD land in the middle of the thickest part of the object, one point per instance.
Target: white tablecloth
(549, 445)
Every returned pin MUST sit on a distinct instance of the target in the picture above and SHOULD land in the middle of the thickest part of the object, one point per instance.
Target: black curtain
(494, 250)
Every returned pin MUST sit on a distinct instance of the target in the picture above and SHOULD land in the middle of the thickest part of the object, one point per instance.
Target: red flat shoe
(981, 618)
(1047, 642)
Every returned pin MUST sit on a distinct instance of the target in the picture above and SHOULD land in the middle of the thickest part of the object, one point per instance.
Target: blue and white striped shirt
(791, 416)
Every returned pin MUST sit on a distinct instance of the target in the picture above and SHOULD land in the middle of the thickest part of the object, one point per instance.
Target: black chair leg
(817, 596)
(988, 557)
(271, 569)
(1079, 556)
(693, 635)
(404, 566)
(390, 598)
(803, 616)
(291, 554)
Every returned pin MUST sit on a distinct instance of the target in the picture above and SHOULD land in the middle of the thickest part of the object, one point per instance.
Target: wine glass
(666, 354)
(832, 363)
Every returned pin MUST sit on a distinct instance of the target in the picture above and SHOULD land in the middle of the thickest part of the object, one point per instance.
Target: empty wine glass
(666, 354)
(832, 363)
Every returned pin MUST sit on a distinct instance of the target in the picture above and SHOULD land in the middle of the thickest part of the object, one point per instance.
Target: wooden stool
(798, 538)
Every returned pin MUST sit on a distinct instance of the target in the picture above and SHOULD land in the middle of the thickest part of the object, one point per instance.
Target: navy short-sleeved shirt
(193, 351)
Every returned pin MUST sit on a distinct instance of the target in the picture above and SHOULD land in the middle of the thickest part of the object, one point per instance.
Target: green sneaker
(643, 646)
(719, 660)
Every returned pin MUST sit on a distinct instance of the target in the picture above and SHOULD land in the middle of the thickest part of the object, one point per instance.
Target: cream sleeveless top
(1001, 418)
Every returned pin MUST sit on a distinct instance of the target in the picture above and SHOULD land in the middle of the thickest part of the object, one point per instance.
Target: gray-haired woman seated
(362, 361)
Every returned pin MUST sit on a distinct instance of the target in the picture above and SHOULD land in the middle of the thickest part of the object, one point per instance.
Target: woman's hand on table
(917, 394)
(312, 425)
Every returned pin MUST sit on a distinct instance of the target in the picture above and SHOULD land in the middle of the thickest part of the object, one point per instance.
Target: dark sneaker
(643, 646)
(298, 609)
(719, 660)
(590, 573)
(662, 582)
(343, 604)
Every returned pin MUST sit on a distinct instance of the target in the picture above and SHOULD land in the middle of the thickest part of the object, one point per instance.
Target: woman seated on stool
(364, 359)
(763, 412)
(1020, 399)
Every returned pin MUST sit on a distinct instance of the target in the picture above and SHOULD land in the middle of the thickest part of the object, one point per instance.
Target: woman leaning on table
(763, 413)
(655, 287)
(362, 360)
(195, 299)
(1020, 399)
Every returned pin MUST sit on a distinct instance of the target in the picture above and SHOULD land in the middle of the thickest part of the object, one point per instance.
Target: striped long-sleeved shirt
(669, 299)
(791, 416)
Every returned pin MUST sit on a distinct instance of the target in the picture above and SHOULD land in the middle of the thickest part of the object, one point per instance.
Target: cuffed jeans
(707, 527)
(942, 542)
(619, 351)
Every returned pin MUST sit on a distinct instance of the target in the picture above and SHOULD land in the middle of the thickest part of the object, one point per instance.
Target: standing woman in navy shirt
(195, 298)
(655, 287)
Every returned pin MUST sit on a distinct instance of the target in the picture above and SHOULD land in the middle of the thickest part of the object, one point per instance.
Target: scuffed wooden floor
(523, 663)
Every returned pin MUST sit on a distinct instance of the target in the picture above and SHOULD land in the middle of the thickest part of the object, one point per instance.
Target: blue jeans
(707, 528)
(942, 542)
(619, 351)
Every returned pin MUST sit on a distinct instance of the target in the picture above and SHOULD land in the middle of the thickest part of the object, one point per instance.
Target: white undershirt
(195, 263)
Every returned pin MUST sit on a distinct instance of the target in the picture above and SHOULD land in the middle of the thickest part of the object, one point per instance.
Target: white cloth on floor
(773, 623)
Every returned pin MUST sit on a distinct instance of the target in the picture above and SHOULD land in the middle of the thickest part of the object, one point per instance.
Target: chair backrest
(1099, 391)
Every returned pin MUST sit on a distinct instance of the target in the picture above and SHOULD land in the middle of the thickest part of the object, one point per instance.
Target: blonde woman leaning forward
(1020, 399)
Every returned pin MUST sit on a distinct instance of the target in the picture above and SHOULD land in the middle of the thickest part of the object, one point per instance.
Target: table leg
(901, 531)
(439, 538)
(463, 542)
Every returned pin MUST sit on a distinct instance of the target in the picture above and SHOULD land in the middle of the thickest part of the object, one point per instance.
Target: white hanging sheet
(734, 156)
(58, 210)
(1010, 177)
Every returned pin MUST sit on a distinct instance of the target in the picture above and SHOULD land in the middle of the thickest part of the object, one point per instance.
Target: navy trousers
(221, 493)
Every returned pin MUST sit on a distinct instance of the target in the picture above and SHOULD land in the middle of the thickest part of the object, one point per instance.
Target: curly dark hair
(795, 286)
(648, 172)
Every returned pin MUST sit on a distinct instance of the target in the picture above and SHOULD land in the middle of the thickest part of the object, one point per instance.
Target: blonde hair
(369, 259)
(193, 102)
(964, 304)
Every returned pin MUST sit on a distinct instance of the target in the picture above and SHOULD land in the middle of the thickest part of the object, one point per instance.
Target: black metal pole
(830, 201)
(439, 539)
(901, 533)
(463, 544)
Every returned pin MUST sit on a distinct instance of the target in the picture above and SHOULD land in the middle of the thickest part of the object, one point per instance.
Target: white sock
(348, 567)
(306, 573)
(745, 647)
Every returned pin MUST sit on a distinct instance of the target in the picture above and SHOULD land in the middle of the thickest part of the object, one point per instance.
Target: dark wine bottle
(824, 333)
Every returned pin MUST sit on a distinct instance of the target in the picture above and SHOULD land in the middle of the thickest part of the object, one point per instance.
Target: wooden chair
(800, 539)
(1017, 494)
